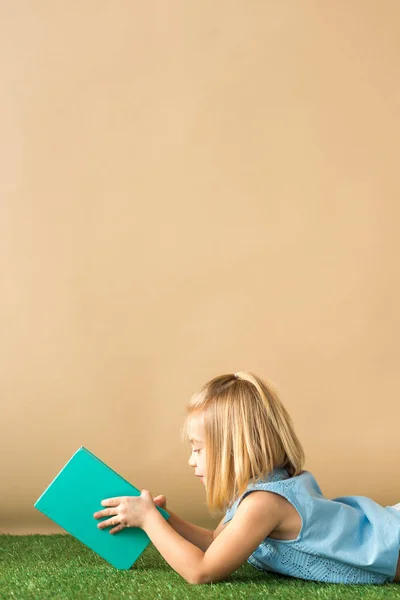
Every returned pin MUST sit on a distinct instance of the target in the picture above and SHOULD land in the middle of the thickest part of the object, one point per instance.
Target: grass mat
(60, 567)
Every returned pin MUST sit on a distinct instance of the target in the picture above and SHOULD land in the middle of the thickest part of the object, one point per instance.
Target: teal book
(75, 494)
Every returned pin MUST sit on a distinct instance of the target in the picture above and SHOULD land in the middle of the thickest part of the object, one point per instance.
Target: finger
(109, 522)
(111, 501)
(105, 513)
(116, 529)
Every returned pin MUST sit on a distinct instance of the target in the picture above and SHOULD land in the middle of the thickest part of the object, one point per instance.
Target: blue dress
(351, 539)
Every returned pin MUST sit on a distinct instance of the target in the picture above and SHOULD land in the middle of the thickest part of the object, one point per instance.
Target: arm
(257, 515)
(199, 536)
(184, 557)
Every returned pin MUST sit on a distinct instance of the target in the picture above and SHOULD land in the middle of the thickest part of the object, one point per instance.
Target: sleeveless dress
(350, 539)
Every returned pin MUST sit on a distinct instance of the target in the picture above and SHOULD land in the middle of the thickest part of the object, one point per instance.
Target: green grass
(60, 567)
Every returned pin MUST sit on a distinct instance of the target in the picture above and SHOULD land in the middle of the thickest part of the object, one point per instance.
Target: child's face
(198, 456)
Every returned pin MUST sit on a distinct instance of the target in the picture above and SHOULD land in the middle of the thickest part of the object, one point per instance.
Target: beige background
(190, 189)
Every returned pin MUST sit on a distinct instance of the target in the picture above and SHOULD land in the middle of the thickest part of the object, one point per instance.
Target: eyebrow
(194, 440)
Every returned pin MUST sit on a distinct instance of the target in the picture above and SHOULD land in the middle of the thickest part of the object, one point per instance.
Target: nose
(192, 462)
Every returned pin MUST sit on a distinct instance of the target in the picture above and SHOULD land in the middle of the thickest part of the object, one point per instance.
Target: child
(250, 461)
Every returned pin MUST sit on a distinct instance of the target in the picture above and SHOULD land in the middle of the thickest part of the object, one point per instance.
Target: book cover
(75, 494)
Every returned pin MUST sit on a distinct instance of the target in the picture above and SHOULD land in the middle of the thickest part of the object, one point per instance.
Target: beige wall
(189, 189)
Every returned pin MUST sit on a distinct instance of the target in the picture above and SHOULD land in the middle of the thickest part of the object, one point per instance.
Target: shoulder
(261, 507)
(258, 513)
(262, 501)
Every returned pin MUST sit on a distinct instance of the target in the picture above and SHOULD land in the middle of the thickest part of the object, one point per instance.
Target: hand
(125, 511)
(161, 501)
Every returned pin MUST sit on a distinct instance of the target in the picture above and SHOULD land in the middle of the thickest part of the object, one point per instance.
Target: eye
(194, 450)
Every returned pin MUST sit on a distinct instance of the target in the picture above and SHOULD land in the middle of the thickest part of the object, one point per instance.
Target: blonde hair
(248, 432)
